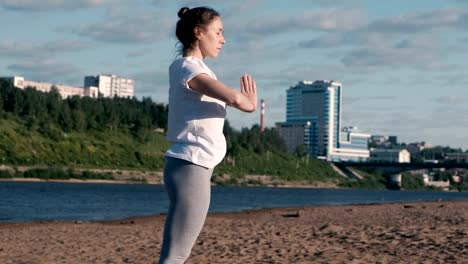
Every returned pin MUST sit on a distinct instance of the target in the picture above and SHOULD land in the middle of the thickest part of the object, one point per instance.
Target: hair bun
(183, 11)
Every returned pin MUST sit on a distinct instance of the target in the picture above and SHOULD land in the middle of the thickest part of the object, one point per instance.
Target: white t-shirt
(195, 125)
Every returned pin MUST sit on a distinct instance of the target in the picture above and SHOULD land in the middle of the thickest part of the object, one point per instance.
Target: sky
(402, 63)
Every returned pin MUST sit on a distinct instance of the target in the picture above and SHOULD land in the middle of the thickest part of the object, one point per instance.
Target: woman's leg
(188, 187)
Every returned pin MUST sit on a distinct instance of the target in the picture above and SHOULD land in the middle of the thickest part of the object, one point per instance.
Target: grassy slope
(109, 149)
(121, 150)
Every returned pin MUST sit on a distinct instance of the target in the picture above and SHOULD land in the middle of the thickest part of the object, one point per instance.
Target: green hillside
(43, 130)
(95, 149)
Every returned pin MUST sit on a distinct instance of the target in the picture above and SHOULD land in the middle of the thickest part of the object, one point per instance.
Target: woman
(197, 108)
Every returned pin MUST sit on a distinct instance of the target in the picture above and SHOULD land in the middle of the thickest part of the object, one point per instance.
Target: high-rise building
(111, 85)
(313, 118)
(322, 100)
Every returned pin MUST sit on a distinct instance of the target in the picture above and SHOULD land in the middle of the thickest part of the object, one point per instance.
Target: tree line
(76, 113)
(48, 111)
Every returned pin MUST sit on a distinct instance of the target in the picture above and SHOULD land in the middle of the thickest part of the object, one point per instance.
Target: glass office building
(314, 110)
(319, 105)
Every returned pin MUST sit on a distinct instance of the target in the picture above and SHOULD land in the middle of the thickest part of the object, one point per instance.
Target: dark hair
(189, 19)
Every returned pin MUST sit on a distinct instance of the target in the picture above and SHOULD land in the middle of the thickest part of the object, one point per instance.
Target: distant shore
(123, 176)
(144, 180)
(120, 175)
(421, 232)
(69, 180)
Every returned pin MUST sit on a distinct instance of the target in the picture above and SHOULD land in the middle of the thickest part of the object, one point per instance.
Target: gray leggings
(188, 186)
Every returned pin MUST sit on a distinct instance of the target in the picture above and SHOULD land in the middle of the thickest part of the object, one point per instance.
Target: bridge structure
(346, 168)
(405, 166)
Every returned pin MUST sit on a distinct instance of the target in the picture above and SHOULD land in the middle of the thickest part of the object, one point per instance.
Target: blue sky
(402, 63)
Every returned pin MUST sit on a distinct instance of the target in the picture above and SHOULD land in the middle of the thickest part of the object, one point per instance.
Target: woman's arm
(245, 100)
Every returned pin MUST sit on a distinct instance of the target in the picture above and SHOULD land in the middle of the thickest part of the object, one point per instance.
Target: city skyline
(401, 64)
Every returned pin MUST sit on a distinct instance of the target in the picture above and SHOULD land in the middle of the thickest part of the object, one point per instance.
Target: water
(34, 201)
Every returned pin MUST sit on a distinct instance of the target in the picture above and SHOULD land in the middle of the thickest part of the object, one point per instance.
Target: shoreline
(121, 176)
(411, 232)
(318, 185)
(73, 181)
(128, 176)
(294, 211)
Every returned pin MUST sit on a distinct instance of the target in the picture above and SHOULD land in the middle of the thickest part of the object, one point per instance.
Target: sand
(426, 232)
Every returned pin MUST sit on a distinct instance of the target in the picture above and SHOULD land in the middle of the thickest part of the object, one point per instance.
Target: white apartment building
(105, 85)
(64, 90)
(111, 85)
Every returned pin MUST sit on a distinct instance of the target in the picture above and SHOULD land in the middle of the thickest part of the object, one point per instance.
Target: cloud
(422, 21)
(233, 8)
(152, 83)
(412, 40)
(137, 53)
(317, 20)
(48, 70)
(326, 41)
(419, 51)
(351, 100)
(329, 2)
(47, 5)
(290, 75)
(188, 3)
(128, 27)
(47, 49)
(451, 100)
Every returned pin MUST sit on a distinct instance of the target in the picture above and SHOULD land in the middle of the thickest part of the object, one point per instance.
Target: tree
(65, 119)
(53, 104)
(301, 150)
(79, 120)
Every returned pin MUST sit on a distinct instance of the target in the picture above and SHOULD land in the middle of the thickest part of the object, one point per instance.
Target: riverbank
(425, 232)
(122, 176)
(118, 175)
(133, 176)
(249, 180)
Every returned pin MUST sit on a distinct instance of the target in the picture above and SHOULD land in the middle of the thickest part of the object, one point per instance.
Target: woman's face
(211, 38)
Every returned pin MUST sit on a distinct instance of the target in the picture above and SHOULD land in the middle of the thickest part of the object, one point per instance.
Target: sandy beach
(425, 232)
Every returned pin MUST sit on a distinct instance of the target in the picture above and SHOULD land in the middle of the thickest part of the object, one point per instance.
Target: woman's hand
(249, 90)
(244, 100)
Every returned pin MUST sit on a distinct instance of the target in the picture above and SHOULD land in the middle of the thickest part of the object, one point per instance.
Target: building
(299, 133)
(353, 146)
(393, 140)
(104, 85)
(111, 85)
(319, 103)
(428, 181)
(390, 155)
(379, 141)
(64, 90)
(313, 118)
(459, 157)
